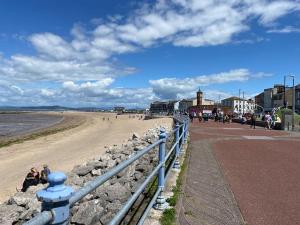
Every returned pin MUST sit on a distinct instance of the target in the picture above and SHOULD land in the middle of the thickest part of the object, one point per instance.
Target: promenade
(238, 175)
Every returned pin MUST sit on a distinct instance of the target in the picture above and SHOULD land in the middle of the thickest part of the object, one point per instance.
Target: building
(199, 97)
(186, 103)
(259, 102)
(297, 98)
(164, 107)
(210, 109)
(202, 101)
(208, 102)
(239, 105)
(119, 109)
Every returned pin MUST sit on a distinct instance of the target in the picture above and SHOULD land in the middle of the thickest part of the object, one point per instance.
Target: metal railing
(57, 198)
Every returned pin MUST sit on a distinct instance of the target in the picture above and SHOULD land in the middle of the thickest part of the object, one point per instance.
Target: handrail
(58, 198)
(92, 185)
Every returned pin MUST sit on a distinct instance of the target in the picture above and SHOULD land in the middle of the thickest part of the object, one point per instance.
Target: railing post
(186, 129)
(177, 149)
(161, 203)
(184, 132)
(56, 198)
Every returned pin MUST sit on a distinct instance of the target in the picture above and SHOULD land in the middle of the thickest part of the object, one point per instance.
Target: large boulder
(118, 192)
(82, 170)
(88, 213)
(21, 199)
(9, 214)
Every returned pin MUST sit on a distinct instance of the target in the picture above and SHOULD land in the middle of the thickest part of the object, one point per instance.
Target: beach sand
(65, 149)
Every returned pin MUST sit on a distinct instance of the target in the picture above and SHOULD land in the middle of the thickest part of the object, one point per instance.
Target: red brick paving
(264, 177)
(263, 174)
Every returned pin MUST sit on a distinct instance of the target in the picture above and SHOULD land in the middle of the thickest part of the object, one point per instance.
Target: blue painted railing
(57, 198)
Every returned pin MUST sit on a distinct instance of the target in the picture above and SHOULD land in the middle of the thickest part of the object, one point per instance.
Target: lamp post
(293, 99)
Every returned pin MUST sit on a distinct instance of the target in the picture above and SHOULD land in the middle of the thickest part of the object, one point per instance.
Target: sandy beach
(65, 149)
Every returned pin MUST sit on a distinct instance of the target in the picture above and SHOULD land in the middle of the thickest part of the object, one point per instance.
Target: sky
(91, 53)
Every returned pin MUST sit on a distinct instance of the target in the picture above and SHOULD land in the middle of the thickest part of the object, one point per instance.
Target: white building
(239, 105)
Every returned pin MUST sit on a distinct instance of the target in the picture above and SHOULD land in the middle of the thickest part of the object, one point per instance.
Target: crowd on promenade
(269, 119)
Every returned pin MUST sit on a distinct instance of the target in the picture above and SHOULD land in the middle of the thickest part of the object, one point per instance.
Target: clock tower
(199, 97)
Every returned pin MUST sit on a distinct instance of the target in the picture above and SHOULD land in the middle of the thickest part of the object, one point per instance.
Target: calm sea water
(13, 124)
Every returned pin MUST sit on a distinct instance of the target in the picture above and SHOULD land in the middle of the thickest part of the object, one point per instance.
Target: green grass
(169, 215)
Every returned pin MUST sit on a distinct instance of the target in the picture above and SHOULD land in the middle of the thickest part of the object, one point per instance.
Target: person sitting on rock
(44, 174)
(31, 179)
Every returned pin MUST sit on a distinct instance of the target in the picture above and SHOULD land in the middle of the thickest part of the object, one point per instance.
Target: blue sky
(107, 53)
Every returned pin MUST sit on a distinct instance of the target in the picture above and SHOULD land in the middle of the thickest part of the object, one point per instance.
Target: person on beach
(44, 174)
(31, 179)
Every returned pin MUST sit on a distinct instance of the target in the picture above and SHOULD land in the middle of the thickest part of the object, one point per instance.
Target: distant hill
(47, 108)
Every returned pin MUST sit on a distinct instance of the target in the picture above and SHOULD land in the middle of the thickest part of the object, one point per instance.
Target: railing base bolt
(176, 164)
(161, 203)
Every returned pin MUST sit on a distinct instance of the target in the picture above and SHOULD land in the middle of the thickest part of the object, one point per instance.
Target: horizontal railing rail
(57, 198)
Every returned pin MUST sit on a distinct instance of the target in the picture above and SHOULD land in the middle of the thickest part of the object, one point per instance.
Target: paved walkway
(237, 174)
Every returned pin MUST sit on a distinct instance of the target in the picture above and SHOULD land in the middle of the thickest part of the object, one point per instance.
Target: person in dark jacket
(31, 179)
(253, 121)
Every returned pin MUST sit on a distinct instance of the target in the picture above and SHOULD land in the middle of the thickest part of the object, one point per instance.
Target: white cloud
(284, 30)
(173, 88)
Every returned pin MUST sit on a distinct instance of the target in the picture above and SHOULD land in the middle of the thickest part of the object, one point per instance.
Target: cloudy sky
(105, 53)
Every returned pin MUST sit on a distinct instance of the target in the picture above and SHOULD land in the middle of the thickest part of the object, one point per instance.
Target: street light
(293, 100)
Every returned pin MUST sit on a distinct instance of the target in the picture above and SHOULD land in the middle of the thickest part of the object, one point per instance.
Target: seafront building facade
(239, 105)
(276, 97)
(164, 107)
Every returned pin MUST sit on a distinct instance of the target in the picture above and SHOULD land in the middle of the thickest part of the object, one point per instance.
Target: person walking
(253, 121)
(200, 117)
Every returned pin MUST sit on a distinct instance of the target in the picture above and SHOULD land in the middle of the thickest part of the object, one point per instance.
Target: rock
(9, 214)
(100, 192)
(97, 164)
(126, 152)
(105, 158)
(96, 172)
(118, 192)
(21, 199)
(74, 179)
(135, 136)
(34, 189)
(113, 207)
(88, 178)
(82, 170)
(34, 204)
(106, 217)
(138, 175)
(88, 213)
(111, 163)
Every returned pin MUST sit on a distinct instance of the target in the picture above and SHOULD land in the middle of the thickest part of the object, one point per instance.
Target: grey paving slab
(206, 198)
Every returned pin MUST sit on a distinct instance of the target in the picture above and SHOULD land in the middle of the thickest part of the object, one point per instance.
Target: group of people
(218, 117)
(269, 120)
(34, 177)
(198, 115)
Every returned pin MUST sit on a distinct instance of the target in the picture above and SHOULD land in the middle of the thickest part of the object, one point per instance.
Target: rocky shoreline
(102, 204)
